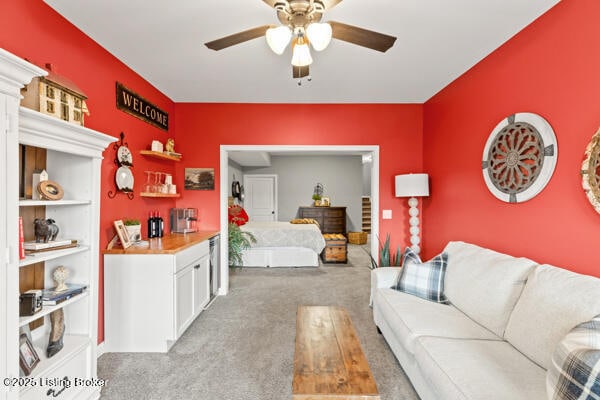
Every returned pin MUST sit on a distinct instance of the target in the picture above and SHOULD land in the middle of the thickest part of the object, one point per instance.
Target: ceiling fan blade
(329, 4)
(271, 3)
(299, 72)
(238, 38)
(362, 37)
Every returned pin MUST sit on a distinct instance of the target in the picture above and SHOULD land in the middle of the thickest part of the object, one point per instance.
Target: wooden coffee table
(328, 361)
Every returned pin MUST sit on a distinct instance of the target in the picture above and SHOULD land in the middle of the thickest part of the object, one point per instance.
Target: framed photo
(199, 179)
(122, 233)
(325, 202)
(28, 358)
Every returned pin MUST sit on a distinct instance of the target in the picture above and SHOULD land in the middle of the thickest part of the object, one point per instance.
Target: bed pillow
(423, 279)
(574, 372)
(237, 215)
(304, 221)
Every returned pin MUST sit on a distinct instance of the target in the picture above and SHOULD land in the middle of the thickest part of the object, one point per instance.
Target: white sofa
(496, 338)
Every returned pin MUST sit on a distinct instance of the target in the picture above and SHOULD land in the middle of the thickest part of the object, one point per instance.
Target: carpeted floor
(242, 347)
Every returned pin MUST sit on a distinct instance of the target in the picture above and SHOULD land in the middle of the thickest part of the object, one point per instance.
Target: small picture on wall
(199, 179)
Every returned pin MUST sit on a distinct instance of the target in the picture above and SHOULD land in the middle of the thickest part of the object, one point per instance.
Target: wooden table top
(168, 244)
(328, 361)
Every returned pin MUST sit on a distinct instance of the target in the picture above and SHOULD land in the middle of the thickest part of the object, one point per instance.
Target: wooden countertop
(168, 244)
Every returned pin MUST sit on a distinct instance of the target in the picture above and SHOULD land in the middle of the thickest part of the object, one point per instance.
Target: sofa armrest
(383, 277)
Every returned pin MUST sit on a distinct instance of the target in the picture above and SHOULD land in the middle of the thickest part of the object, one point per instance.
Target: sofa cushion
(575, 369)
(484, 284)
(423, 279)
(553, 302)
(411, 317)
(478, 369)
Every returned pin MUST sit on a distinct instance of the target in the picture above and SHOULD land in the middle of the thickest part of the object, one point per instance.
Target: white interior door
(260, 199)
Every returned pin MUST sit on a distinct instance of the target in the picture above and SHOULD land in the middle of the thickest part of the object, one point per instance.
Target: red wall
(397, 129)
(32, 30)
(550, 68)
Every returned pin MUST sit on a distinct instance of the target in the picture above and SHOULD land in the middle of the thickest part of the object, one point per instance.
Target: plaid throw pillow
(575, 370)
(423, 279)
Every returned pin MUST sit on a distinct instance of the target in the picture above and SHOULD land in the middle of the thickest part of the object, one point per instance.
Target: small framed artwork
(28, 357)
(325, 202)
(122, 233)
(199, 179)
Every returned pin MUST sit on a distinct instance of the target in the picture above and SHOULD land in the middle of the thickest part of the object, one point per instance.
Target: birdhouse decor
(57, 96)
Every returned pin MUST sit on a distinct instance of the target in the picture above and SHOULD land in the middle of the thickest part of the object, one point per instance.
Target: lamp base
(413, 211)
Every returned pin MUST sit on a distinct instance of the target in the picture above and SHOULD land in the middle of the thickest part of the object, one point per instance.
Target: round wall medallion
(590, 171)
(519, 157)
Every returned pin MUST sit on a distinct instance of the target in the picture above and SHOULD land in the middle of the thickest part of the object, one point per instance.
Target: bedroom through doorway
(349, 176)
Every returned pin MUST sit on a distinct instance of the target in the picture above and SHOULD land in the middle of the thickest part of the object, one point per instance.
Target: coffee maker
(184, 220)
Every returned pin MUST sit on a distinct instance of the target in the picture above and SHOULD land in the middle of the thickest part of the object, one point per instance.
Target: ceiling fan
(301, 25)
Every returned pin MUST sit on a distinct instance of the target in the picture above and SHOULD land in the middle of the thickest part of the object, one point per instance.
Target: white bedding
(285, 234)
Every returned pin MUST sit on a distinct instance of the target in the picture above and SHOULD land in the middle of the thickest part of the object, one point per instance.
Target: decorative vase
(134, 232)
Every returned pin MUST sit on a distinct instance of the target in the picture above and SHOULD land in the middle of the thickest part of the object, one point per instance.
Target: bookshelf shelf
(48, 309)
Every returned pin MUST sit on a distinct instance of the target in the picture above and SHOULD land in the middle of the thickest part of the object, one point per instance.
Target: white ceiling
(163, 41)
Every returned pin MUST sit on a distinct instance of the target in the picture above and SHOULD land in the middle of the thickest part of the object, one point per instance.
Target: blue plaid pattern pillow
(423, 279)
(575, 370)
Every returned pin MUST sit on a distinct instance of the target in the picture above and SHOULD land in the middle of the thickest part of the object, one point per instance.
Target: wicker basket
(357, 237)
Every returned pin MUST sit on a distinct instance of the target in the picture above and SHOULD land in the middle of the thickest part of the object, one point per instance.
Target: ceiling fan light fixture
(301, 55)
(278, 38)
(319, 35)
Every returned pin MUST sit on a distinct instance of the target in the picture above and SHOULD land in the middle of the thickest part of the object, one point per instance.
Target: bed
(283, 244)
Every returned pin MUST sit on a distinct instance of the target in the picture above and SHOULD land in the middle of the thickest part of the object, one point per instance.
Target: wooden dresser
(331, 219)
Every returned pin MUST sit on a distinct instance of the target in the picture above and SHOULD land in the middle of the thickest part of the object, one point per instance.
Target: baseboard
(100, 349)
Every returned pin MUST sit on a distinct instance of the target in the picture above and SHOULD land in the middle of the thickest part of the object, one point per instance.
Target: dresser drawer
(309, 213)
(335, 212)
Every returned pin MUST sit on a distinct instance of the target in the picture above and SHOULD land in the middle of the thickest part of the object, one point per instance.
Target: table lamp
(413, 186)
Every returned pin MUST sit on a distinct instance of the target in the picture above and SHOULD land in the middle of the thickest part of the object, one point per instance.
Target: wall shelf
(162, 156)
(147, 194)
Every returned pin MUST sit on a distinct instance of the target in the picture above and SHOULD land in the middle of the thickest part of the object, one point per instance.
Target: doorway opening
(369, 152)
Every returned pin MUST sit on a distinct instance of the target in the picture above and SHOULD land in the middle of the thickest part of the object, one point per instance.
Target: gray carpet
(242, 347)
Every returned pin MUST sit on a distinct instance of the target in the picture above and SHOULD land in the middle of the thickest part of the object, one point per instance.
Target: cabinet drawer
(307, 213)
(340, 222)
(189, 255)
(339, 212)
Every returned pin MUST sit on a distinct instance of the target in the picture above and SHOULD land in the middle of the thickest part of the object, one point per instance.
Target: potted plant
(317, 198)
(134, 229)
(238, 241)
(386, 257)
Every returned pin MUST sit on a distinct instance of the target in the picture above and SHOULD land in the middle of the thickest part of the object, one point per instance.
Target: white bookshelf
(73, 159)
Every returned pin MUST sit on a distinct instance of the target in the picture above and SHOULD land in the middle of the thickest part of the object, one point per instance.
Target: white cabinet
(191, 292)
(73, 158)
(151, 296)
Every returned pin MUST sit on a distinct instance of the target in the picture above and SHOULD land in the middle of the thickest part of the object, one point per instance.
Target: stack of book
(51, 297)
(58, 244)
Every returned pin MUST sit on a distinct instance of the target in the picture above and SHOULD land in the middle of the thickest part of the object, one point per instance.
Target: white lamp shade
(412, 185)
(301, 56)
(319, 35)
(278, 38)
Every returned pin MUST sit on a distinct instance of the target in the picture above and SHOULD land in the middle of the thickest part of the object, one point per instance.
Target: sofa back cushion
(484, 284)
(553, 302)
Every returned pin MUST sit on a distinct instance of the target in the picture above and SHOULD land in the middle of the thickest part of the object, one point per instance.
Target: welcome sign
(134, 104)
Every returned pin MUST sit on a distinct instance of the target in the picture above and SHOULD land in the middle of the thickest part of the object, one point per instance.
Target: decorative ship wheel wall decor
(519, 157)
(123, 176)
(590, 171)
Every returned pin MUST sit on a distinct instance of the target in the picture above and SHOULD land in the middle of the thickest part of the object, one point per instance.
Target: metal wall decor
(590, 171)
(519, 157)
(123, 176)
